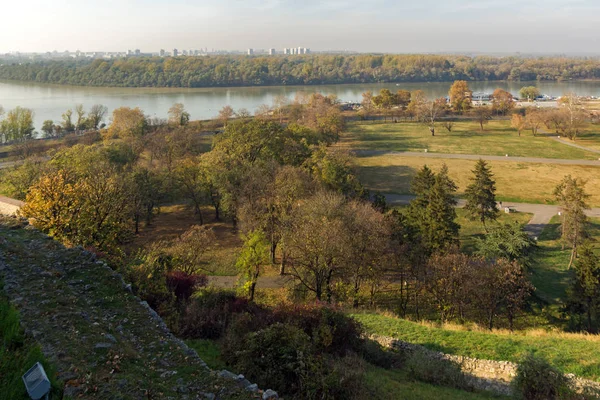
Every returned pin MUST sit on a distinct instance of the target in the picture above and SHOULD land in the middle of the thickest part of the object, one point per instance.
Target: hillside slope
(103, 341)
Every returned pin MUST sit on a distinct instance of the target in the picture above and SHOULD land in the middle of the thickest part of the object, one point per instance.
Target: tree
(500, 284)
(384, 101)
(48, 128)
(403, 98)
(529, 93)
(585, 290)
(96, 115)
(145, 194)
(533, 120)
(225, 114)
(482, 114)
(17, 126)
(574, 115)
(509, 241)
(481, 195)
(80, 125)
(431, 111)
(189, 174)
(432, 212)
(188, 251)
(67, 123)
(502, 102)
(254, 254)
(571, 196)
(415, 107)
(128, 123)
(367, 105)
(178, 115)
(517, 122)
(460, 96)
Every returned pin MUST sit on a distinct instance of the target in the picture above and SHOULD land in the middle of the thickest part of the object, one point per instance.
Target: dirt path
(374, 153)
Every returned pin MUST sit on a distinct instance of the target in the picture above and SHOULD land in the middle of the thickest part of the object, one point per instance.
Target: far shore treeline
(214, 71)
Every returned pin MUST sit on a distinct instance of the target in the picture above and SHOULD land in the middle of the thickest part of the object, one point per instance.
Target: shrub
(211, 311)
(374, 353)
(278, 356)
(537, 380)
(183, 284)
(437, 371)
(331, 330)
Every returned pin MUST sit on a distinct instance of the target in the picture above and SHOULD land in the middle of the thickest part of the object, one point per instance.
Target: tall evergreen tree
(481, 195)
(433, 211)
(571, 196)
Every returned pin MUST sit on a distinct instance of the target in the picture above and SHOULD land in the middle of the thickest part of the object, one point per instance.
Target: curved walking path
(372, 153)
(542, 213)
(569, 143)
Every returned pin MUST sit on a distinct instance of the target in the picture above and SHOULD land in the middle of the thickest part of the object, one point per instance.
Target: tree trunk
(573, 254)
(283, 261)
(199, 213)
(273, 250)
(328, 286)
(137, 224)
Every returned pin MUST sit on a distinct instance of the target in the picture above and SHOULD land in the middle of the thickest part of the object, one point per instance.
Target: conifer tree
(433, 211)
(481, 195)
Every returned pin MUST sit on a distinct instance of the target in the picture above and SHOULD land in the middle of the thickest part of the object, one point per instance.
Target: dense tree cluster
(305, 70)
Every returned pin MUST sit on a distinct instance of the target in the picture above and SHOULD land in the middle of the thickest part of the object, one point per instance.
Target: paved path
(372, 153)
(542, 213)
(570, 143)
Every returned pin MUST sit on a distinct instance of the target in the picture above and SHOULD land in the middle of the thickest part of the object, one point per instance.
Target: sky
(393, 26)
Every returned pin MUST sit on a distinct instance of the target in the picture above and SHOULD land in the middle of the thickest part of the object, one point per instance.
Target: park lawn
(571, 353)
(515, 181)
(497, 139)
(550, 274)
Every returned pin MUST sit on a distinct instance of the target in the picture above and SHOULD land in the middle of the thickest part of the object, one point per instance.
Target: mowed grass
(497, 139)
(571, 353)
(550, 276)
(515, 181)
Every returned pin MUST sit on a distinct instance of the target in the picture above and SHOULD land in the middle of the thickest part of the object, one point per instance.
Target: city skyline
(378, 26)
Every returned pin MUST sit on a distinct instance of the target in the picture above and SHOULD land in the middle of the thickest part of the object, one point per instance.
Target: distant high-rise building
(137, 52)
(250, 52)
(271, 52)
(185, 53)
(162, 52)
(286, 51)
(175, 52)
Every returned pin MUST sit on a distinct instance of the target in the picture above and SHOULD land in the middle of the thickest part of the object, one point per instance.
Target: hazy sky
(365, 25)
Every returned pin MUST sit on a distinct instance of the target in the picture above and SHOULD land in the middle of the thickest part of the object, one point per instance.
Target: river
(50, 101)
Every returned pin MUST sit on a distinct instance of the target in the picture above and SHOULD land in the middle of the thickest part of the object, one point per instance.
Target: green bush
(537, 380)
(437, 371)
(278, 356)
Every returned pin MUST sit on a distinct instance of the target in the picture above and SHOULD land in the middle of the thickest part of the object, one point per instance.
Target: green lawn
(498, 139)
(550, 274)
(578, 354)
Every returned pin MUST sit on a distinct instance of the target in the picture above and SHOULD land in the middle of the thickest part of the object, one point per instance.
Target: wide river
(50, 101)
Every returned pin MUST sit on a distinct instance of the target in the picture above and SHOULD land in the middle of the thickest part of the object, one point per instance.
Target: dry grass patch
(515, 181)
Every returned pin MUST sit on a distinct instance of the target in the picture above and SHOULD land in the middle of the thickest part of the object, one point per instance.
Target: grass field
(571, 353)
(498, 139)
(550, 274)
(515, 181)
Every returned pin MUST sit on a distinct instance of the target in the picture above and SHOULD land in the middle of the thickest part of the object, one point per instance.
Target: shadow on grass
(387, 179)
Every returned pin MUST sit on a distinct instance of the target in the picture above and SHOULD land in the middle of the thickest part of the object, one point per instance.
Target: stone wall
(9, 206)
(494, 376)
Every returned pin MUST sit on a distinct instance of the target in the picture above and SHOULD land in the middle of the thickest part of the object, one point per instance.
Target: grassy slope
(576, 354)
(515, 181)
(17, 355)
(497, 139)
(550, 275)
